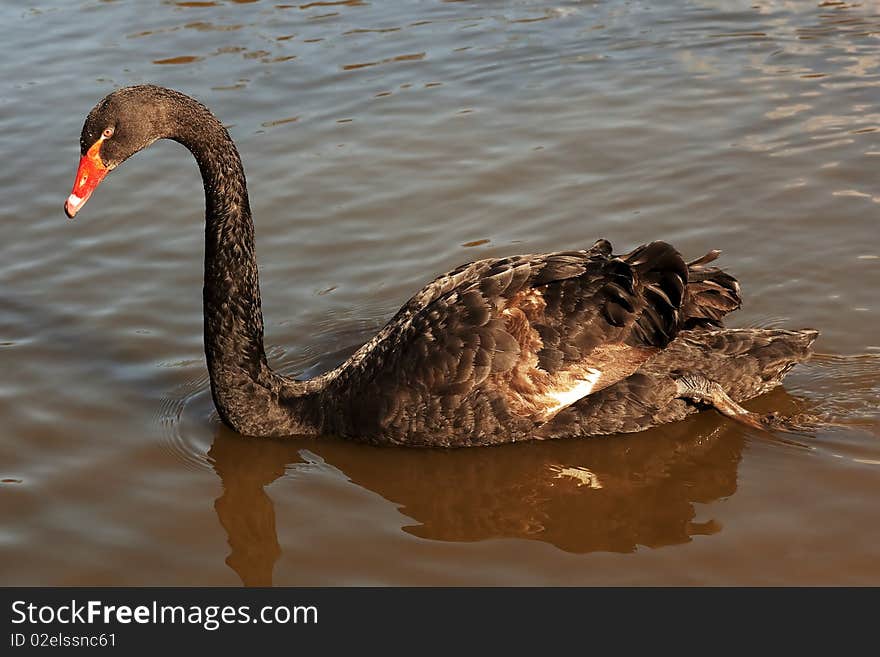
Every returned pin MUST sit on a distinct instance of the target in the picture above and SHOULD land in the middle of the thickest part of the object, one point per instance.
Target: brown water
(386, 142)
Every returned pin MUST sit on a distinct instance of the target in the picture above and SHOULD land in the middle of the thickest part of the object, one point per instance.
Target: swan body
(572, 343)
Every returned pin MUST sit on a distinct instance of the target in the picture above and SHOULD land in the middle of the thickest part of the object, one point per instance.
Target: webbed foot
(702, 390)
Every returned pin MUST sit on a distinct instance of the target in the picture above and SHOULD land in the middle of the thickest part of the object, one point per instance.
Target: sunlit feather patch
(567, 397)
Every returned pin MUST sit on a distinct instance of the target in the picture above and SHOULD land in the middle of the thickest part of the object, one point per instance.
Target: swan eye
(108, 132)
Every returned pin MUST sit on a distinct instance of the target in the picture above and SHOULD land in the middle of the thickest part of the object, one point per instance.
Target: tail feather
(709, 257)
(711, 293)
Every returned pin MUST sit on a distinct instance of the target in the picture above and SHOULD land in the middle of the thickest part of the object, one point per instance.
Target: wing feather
(515, 340)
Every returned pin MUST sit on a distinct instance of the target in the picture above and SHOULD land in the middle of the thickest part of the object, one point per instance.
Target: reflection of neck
(252, 535)
(245, 510)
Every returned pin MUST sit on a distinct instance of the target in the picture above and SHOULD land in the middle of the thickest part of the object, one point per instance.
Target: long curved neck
(233, 313)
(245, 390)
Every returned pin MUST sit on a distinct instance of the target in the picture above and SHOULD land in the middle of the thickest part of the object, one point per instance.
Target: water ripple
(185, 417)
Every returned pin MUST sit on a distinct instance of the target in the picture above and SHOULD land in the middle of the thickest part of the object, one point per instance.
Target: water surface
(386, 142)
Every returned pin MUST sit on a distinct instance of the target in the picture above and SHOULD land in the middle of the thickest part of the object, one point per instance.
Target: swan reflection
(603, 494)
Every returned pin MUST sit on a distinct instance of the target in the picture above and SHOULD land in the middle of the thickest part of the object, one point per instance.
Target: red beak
(90, 173)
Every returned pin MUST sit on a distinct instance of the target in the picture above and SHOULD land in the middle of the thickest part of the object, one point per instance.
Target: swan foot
(699, 389)
(800, 423)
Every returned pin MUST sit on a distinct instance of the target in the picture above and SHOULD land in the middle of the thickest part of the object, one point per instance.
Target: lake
(385, 143)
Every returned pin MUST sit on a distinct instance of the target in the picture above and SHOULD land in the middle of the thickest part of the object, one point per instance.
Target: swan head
(123, 123)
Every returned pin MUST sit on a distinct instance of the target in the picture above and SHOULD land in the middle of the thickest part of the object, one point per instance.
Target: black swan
(573, 343)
